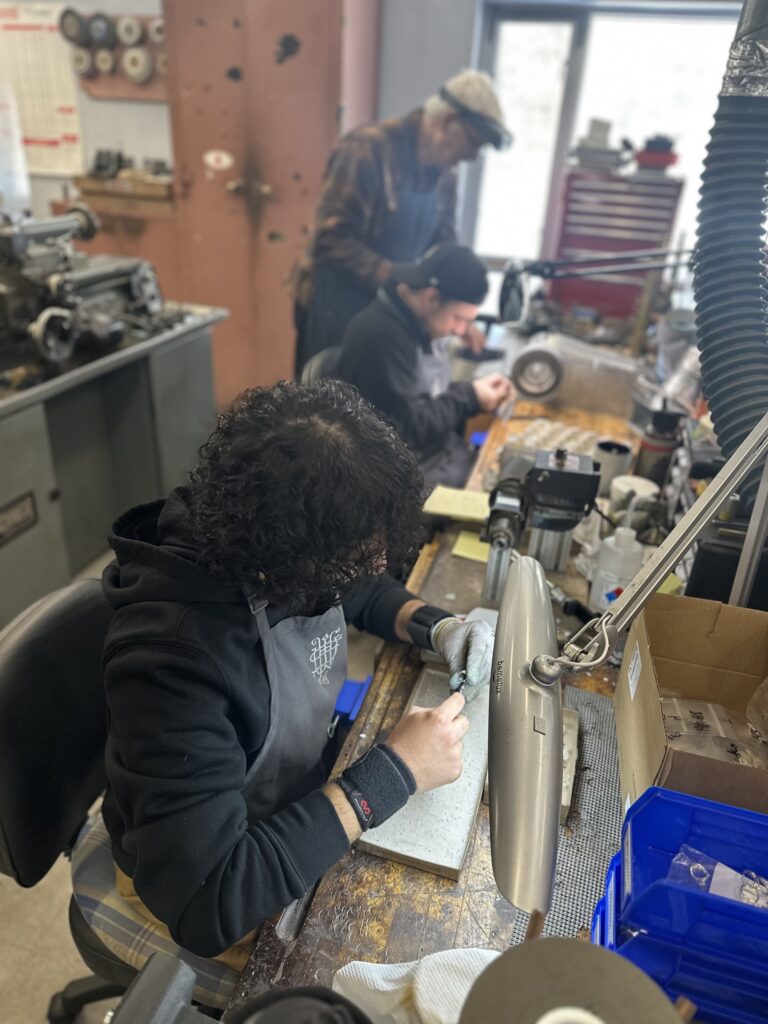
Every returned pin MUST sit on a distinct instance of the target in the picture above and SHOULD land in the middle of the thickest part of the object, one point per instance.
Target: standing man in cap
(389, 194)
(391, 354)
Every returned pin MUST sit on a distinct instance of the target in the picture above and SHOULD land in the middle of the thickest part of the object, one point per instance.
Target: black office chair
(53, 729)
(322, 364)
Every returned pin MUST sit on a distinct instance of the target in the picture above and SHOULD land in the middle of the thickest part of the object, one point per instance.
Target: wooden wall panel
(255, 91)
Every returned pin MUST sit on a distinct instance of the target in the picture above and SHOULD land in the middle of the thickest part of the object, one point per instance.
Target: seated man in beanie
(225, 657)
(389, 354)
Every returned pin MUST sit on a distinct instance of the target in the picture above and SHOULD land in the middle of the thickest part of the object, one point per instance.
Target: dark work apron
(306, 661)
(337, 294)
(452, 465)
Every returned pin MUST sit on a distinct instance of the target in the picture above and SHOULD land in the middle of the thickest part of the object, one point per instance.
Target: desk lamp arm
(592, 645)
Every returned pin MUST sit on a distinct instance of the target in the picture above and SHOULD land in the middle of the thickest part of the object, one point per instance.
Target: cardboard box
(702, 650)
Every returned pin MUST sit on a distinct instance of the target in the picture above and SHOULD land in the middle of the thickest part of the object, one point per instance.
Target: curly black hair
(301, 491)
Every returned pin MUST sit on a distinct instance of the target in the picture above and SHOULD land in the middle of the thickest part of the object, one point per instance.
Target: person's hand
(492, 390)
(475, 338)
(429, 741)
(467, 647)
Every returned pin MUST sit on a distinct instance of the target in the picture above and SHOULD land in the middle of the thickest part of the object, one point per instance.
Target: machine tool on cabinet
(55, 300)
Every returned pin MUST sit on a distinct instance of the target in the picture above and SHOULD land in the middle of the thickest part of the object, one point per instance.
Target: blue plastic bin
(722, 993)
(597, 931)
(724, 990)
(612, 903)
(656, 826)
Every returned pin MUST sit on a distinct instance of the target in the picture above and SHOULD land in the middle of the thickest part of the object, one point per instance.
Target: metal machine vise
(551, 494)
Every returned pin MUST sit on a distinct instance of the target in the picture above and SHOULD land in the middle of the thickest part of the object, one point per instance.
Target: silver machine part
(503, 534)
(53, 333)
(146, 289)
(78, 222)
(557, 367)
(745, 71)
(525, 743)
(754, 543)
(551, 547)
(496, 569)
(592, 645)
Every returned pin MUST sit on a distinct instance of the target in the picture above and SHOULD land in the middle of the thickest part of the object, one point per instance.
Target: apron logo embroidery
(323, 654)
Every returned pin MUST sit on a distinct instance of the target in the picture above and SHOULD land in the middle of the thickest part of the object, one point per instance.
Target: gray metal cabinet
(77, 451)
(33, 556)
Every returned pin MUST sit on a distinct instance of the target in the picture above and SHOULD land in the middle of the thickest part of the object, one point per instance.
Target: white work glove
(467, 647)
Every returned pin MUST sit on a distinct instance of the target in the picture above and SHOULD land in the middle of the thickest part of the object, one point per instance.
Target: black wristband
(422, 621)
(359, 804)
(377, 785)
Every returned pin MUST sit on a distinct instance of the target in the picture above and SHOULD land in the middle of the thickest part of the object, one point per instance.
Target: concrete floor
(37, 954)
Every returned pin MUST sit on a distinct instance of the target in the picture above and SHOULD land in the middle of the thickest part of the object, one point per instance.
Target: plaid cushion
(122, 927)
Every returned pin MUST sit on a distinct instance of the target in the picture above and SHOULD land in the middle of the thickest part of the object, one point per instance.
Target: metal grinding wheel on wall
(101, 31)
(117, 57)
(156, 31)
(565, 981)
(82, 62)
(74, 27)
(105, 61)
(138, 64)
(130, 30)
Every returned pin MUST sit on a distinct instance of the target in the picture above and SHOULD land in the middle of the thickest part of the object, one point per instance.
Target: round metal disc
(536, 373)
(138, 64)
(156, 31)
(101, 31)
(105, 61)
(538, 978)
(129, 30)
(146, 289)
(53, 334)
(73, 27)
(82, 62)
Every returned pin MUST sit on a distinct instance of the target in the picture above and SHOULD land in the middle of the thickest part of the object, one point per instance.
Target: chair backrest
(53, 726)
(322, 364)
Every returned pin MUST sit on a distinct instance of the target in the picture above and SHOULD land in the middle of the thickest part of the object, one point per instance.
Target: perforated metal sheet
(592, 833)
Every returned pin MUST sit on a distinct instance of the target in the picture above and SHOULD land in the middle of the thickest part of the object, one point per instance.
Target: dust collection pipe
(730, 284)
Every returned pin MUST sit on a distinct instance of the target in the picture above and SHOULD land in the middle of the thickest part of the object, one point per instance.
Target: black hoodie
(188, 700)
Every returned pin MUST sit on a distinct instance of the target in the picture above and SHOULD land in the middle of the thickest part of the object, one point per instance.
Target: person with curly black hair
(225, 656)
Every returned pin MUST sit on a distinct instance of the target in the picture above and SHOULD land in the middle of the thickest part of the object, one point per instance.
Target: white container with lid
(618, 562)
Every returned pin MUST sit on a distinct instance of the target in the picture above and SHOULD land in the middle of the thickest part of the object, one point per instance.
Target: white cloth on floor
(428, 991)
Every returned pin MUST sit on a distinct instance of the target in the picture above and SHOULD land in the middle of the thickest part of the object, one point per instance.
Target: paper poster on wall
(35, 60)
(14, 181)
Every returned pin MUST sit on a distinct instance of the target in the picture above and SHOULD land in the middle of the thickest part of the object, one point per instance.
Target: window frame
(491, 14)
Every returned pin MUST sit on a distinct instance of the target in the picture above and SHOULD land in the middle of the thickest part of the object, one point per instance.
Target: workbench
(368, 908)
(503, 430)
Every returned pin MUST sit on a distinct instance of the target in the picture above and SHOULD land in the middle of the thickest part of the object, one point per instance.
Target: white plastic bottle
(618, 562)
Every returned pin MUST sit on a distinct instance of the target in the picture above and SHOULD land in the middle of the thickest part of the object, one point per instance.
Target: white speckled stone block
(433, 830)
(570, 757)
